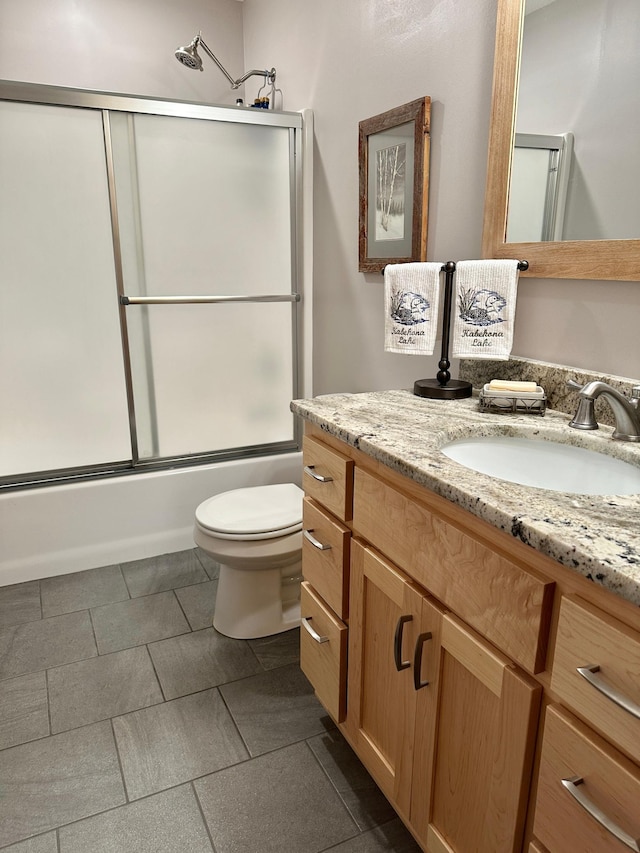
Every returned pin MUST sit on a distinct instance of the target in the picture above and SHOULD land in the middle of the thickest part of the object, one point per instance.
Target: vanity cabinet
(449, 653)
(443, 721)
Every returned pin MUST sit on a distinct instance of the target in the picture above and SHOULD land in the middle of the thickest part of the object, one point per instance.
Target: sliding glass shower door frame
(109, 104)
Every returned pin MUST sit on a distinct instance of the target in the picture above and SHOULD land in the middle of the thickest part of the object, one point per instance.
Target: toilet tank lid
(257, 509)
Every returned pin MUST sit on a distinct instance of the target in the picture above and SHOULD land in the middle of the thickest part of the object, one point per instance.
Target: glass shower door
(207, 246)
(63, 400)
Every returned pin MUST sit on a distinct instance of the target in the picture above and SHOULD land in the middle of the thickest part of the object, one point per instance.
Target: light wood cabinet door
(383, 628)
(473, 753)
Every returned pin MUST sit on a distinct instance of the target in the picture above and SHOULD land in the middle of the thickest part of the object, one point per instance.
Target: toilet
(256, 535)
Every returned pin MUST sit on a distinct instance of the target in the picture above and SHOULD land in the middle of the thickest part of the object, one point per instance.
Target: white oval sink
(546, 465)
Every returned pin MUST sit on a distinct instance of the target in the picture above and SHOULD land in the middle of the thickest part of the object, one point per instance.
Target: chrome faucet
(626, 411)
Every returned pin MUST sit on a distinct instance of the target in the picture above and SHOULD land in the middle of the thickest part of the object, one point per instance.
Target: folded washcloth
(484, 308)
(411, 294)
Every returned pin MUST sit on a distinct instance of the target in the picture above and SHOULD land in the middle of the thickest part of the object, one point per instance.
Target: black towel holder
(443, 387)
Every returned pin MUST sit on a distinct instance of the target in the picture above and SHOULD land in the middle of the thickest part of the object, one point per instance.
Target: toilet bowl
(255, 534)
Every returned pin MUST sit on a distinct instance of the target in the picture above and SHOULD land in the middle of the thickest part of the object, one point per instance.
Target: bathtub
(67, 528)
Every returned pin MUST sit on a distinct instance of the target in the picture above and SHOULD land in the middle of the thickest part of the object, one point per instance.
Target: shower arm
(235, 84)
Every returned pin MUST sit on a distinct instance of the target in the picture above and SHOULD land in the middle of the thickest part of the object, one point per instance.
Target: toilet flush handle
(309, 470)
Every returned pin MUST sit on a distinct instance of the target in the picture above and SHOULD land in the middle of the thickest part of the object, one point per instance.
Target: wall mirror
(552, 77)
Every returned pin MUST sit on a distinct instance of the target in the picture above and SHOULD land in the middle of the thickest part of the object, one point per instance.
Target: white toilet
(256, 536)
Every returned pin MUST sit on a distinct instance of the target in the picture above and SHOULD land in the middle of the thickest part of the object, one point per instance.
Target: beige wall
(347, 60)
(350, 60)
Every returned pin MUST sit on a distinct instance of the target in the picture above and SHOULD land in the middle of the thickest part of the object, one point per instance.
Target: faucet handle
(576, 386)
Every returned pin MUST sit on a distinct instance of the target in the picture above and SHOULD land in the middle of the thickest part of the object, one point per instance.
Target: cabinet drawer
(608, 653)
(506, 603)
(325, 557)
(328, 477)
(606, 781)
(323, 658)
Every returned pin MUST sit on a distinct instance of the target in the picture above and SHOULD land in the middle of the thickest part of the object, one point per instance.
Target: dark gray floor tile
(57, 780)
(169, 822)
(102, 687)
(203, 659)
(141, 620)
(42, 844)
(19, 603)
(175, 742)
(24, 713)
(278, 650)
(278, 803)
(275, 708)
(198, 602)
(211, 566)
(168, 571)
(49, 642)
(82, 590)
(393, 837)
(359, 792)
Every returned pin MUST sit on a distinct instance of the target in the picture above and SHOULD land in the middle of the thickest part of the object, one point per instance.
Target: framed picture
(393, 151)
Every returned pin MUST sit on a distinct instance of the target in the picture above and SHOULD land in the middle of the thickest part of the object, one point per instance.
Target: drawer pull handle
(590, 672)
(314, 541)
(314, 634)
(417, 660)
(397, 644)
(309, 470)
(571, 785)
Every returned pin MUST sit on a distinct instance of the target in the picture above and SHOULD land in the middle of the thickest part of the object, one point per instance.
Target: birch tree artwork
(390, 178)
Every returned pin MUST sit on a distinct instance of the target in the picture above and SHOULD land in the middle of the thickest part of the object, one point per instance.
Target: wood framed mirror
(606, 259)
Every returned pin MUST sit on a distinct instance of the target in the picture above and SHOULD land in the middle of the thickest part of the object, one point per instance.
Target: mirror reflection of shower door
(540, 172)
(204, 209)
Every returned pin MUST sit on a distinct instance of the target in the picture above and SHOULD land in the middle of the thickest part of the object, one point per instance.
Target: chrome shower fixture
(189, 56)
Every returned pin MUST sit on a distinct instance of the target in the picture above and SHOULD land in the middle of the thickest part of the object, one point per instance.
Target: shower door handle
(191, 300)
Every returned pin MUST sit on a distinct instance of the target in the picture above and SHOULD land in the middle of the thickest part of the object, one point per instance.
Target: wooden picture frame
(393, 154)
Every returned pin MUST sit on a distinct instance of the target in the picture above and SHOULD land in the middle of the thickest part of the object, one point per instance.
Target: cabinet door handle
(305, 624)
(309, 469)
(571, 784)
(397, 644)
(316, 544)
(417, 660)
(590, 673)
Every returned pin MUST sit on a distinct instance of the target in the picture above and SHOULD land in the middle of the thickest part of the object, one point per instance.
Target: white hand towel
(484, 308)
(411, 294)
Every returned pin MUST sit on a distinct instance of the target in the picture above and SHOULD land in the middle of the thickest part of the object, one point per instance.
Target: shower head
(189, 55)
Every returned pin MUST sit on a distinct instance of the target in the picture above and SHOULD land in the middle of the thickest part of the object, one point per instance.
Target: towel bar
(443, 387)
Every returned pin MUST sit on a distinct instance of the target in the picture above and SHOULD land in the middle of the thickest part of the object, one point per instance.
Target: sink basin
(546, 465)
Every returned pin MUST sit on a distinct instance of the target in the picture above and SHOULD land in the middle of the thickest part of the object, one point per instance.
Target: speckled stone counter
(598, 537)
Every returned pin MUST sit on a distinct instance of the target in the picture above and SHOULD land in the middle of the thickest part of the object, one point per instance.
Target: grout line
(121, 768)
(158, 679)
(202, 815)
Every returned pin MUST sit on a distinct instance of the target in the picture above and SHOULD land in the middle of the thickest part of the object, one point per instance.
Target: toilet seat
(258, 512)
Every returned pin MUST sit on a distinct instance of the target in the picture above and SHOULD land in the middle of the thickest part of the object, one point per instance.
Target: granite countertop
(597, 536)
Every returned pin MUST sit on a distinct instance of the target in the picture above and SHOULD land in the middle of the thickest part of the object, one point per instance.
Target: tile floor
(129, 725)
